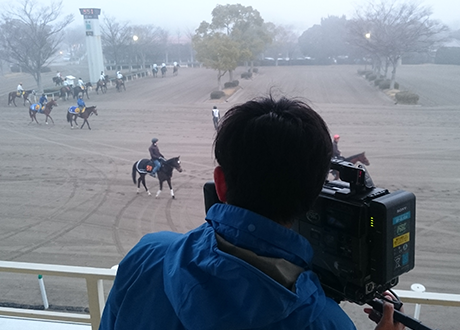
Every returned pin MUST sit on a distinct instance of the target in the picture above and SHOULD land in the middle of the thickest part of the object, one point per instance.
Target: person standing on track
(215, 117)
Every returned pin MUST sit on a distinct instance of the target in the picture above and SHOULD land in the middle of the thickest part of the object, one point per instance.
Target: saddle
(19, 94)
(36, 107)
(76, 110)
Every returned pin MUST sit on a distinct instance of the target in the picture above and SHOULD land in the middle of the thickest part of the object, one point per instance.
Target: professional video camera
(363, 237)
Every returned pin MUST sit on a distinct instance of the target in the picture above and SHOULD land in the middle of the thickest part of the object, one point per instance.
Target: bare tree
(150, 40)
(388, 30)
(284, 43)
(116, 38)
(31, 35)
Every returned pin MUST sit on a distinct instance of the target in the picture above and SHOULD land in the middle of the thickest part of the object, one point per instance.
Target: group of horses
(71, 114)
(66, 91)
(163, 70)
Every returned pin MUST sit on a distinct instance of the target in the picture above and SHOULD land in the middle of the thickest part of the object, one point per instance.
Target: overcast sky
(183, 15)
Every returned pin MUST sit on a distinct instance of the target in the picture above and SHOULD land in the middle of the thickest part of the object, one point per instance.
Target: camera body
(363, 237)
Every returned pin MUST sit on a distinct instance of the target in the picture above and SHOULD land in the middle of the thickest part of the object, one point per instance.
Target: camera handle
(400, 317)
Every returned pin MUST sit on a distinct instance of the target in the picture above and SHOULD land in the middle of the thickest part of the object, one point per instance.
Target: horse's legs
(87, 123)
(33, 115)
(144, 184)
(170, 188)
(46, 120)
(159, 190)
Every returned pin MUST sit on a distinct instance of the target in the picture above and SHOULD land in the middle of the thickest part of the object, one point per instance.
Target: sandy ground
(66, 196)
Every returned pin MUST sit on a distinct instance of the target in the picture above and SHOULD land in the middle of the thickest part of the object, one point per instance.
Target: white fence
(94, 283)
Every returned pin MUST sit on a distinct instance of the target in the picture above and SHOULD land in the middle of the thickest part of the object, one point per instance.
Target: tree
(216, 50)
(239, 33)
(31, 36)
(389, 30)
(245, 26)
(116, 37)
(149, 39)
(326, 41)
(284, 41)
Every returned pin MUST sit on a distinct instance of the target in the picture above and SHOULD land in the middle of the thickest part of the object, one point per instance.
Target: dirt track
(66, 196)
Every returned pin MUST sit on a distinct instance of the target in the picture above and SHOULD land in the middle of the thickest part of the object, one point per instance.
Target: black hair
(275, 156)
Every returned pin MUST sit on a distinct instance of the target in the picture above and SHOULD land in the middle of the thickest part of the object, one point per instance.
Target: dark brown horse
(13, 95)
(72, 116)
(119, 83)
(101, 85)
(65, 92)
(35, 108)
(77, 90)
(358, 158)
(58, 81)
(145, 166)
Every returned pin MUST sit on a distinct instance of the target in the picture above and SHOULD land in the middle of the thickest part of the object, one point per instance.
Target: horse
(13, 95)
(119, 84)
(34, 109)
(163, 71)
(358, 158)
(65, 92)
(361, 158)
(102, 85)
(175, 70)
(58, 81)
(77, 90)
(72, 115)
(155, 71)
(145, 166)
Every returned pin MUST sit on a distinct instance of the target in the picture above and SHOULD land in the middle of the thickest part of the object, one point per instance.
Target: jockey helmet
(43, 94)
(154, 140)
(337, 136)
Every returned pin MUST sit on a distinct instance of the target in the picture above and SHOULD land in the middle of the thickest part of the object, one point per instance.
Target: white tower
(93, 42)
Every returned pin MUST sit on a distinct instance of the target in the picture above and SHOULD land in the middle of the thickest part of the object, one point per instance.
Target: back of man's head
(275, 156)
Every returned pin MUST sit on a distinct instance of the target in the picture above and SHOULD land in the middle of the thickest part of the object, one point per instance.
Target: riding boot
(153, 175)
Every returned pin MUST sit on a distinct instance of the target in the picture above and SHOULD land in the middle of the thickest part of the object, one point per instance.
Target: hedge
(217, 95)
(407, 98)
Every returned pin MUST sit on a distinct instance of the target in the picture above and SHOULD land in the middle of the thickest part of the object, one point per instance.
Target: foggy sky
(186, 15)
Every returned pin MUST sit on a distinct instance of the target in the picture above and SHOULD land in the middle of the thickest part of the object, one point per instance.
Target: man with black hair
(243, 268)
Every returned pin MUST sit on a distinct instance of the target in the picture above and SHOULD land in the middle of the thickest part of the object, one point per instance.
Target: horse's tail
(134, 173)
(69, 117)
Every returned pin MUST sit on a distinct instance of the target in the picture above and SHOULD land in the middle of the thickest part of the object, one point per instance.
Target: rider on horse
(67, 84)
(81, 83)
(119, 75)
(335, 148)
(20, 90)
(155, 156)
(81, 105)
(43, 100)
(102, 78)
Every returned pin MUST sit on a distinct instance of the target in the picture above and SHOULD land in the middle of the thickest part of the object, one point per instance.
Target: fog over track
(67, 197)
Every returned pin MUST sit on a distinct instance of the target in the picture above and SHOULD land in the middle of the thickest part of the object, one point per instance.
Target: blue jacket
(42, 100)
(184, 281)
(81, 103)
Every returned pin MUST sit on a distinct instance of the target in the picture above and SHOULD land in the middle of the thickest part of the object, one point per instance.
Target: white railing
(94, 279)
(94, 285)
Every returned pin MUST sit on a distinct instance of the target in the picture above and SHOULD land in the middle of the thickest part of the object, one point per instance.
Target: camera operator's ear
(221, 186)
